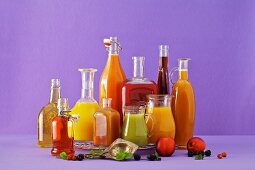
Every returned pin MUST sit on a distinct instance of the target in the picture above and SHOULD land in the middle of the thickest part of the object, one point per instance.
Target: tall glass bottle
(62, 129)
(183, 104)
(107, 124)
(46, 114)
(113, 76)
(85, 107)
(163, 77)
(135, 90)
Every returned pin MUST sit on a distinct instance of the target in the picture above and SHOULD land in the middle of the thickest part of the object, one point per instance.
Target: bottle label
(101, 125)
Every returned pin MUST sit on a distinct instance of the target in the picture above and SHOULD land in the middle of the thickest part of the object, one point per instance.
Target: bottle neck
(163, 62)
(87, 93)
(138, 67)
(183, 74)
(54, 94)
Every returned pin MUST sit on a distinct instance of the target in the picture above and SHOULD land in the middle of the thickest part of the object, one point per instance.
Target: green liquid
(135, 129)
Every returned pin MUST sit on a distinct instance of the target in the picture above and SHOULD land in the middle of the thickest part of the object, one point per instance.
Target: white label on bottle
(101, 125)
(40, 127)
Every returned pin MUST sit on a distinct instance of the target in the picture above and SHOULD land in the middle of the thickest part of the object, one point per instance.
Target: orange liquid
(164, 125)
(111, 82)
(106, 127)
(183, 107)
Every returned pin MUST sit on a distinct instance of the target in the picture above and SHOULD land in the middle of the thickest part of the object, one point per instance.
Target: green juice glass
(134, 127)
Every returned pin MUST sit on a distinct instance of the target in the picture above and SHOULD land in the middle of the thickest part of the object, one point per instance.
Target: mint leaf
(63, 155)
(128, 155)
(120, 156)
(199, 157)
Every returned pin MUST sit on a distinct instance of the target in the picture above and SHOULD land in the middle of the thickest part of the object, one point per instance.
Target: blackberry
(137, 157)
(202, 153)
(190, 153)
(208, 153)
(151, 157)
(80, 157)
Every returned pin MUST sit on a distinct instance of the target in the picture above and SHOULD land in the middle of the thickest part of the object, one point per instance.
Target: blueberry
(190, 153)
(151, 157)
(80, 157)
(208, 153)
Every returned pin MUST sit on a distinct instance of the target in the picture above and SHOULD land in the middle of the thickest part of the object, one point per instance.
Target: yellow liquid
(45, 117)
(163, 125)
(83, 129)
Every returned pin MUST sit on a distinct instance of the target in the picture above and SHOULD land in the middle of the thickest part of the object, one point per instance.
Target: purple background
(45, 39)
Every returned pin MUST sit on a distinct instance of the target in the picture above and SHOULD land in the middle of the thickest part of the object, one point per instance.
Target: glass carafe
(63, 129)
(135, 90)
(163, 76)
(134, 127)
(85, 107)
(183, 104)
(159, 108)
(46, 114)
(113, 76)
(106, 125)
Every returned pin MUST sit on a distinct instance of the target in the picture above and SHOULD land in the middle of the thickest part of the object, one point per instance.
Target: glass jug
(134, 127)
(159, 117)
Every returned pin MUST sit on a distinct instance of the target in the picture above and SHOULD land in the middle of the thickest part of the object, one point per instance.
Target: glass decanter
(85, 107)
(135, 90)
(183, 104)
(107, 124)
(46, 114)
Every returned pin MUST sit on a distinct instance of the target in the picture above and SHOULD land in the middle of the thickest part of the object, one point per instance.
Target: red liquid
(163, 76)
(61, 142)
(133, 94)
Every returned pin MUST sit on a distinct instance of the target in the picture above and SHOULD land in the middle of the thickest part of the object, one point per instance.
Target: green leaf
(120, 156)
(128, 155)
(199, 157)
(63, 155)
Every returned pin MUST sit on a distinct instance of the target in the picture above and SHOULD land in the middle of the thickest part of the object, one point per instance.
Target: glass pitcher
(159, 117)
(134, 127)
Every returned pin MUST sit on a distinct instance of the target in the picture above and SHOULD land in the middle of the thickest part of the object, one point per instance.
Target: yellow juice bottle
(85, 107)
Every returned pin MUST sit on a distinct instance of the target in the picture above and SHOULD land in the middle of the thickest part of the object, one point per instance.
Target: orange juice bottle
(113, 76)
(183, 105)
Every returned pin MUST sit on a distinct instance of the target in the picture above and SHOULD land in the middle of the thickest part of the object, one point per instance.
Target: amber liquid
(111, 83)
(106, 127)
(163, 76)
(133, 94)
(183, 108)
(45, 118)
(62, 137)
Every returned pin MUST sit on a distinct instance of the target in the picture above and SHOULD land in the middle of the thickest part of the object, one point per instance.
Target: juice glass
(134, 127)
(159, 117)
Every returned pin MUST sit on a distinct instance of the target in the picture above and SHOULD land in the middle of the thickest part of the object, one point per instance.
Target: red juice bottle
(163, 76)
(135, 90)
(63, 130)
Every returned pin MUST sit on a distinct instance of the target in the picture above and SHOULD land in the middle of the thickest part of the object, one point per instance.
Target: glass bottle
(113, 76)
(106, 125)
(163, 77)
(134, 90)
(134, 126)
(62, 129)
(183, 104)
(85, 107)
(46, 114)
(160, 119)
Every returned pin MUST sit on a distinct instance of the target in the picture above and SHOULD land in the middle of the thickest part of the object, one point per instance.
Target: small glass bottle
(46, 114)
(62, 129)
(113, 76)
(135, 90)
(106, 125)
(85, 107)
(163, 77)
(183, 104)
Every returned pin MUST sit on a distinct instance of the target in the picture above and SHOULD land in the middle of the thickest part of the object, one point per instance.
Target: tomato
(165, 146)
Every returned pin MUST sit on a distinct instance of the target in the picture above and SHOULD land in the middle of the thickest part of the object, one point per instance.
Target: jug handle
(172, 74)
(147, 117)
